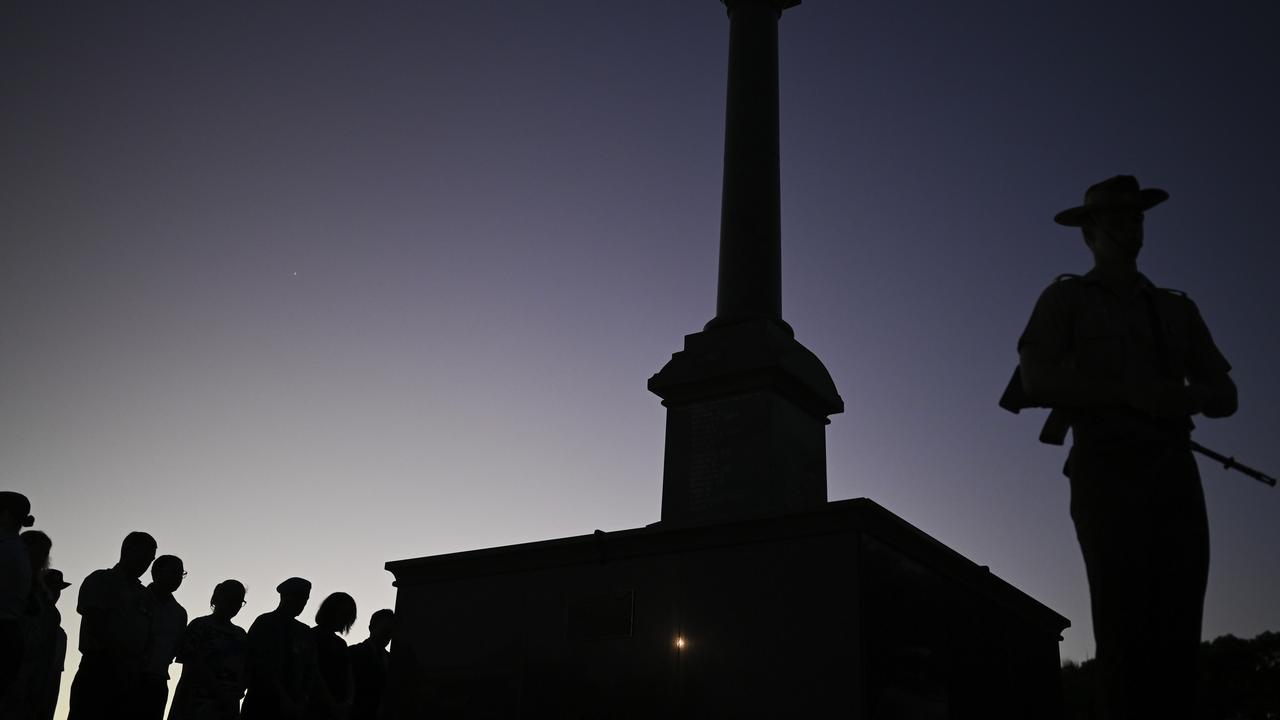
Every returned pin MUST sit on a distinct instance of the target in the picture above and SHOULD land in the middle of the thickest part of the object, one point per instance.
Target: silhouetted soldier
(332, 691)
(213, 655)
(282, 658)
(1127, 364)
(168, 623)
(114, 622)
(15, 583)
(369, 663)
(47, 700)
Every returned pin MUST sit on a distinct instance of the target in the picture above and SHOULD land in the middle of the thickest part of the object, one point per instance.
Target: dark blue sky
(304, 287)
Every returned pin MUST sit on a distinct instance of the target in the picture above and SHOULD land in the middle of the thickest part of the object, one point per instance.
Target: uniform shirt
(1106, 335)
(127, 608)
(168, 623)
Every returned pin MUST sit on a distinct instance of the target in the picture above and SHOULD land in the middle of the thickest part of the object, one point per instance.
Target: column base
(747, 408)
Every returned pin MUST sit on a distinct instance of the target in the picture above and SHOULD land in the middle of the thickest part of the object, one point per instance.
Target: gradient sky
(304, 287)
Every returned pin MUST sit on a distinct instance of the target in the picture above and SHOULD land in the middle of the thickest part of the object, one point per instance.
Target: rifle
(1231, 463)
(1014, 399)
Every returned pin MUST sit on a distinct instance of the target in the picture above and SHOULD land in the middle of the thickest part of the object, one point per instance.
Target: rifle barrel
(1231, 463)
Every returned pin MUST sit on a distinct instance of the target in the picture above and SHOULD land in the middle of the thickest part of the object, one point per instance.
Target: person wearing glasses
(213, 652)
(168, 623)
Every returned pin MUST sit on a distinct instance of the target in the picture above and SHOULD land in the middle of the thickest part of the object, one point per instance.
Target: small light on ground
(680, 643)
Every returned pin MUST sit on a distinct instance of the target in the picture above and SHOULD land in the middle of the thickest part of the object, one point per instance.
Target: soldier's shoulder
(1064, 288)
(1174, 303)
(1174, 297)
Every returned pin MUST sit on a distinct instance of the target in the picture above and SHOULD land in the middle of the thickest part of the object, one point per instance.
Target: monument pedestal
(844, 611)
(747, 409)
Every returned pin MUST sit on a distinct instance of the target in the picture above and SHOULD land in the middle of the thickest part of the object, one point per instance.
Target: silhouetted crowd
(130, 633)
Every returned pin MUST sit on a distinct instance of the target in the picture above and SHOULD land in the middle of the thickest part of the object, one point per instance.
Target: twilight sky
(304, 287)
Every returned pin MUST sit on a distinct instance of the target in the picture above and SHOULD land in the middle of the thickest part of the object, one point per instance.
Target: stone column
(747, 405)
(750, 282)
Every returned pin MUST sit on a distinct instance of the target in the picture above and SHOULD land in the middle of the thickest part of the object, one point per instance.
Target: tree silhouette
(1239, 680)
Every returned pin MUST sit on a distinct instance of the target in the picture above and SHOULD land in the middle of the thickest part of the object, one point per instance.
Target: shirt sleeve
(1204, 359)
(93, 596)
(189, 642)
(1047, 336)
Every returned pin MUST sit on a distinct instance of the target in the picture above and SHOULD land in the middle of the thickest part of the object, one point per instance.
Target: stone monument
(747, 405)
(752, 596)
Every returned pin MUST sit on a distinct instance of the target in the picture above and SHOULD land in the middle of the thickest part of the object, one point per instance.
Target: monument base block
(844, 611)
(746, 405)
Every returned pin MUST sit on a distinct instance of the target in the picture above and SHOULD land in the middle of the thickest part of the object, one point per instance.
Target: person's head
(337, 613)
(228, 598)
(1111, 219)
(294, 594)
(167, 573)
(15, 513)
(38, 548)
(382, 625)
(136, 553)
(1114, 235)
(54, 584)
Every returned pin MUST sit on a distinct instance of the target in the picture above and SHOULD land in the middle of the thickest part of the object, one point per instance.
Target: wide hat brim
(1143, 200)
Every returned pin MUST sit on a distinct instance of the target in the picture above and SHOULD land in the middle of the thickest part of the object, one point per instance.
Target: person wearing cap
(47, 698)
(15, 583)
(1128, 364)
(35, 694)
(282, 658)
